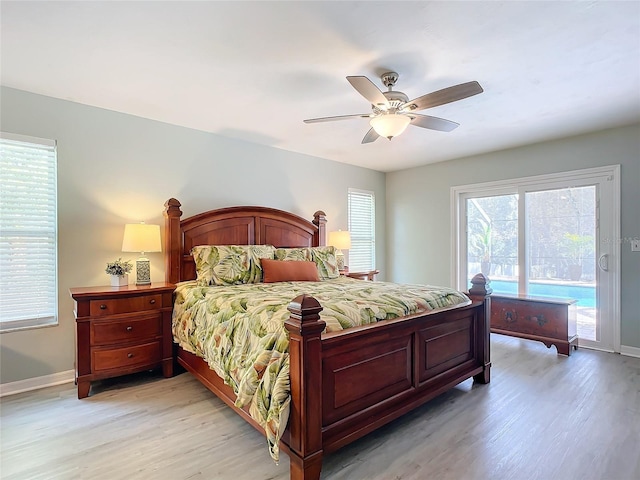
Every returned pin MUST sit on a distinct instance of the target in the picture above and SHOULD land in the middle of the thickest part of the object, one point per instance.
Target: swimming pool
(585, 294)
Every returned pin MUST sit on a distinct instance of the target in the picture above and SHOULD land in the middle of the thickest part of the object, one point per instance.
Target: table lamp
(140, 237)
(342, 241)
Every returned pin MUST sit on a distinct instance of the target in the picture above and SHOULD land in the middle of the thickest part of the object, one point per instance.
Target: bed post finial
(172, 240)
(480, 286)
(305, 359)
(320, 220)
(480, 291)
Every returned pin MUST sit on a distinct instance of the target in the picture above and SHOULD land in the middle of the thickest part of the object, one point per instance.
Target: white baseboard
(630, 351)
(29, 384)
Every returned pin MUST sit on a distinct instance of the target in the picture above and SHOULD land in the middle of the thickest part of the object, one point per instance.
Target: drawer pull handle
(103, 307)
(152, 301)
(129, 328)
(129, 355)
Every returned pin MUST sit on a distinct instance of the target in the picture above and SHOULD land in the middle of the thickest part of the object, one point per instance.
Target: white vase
(119, 280)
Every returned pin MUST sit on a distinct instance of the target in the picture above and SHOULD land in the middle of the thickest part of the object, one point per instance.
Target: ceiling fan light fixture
(390, 125)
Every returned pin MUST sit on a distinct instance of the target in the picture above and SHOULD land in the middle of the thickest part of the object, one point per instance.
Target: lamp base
(340, 260)
(143, 271)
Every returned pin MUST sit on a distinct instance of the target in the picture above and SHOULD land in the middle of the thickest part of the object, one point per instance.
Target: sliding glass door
(492, 239)
(546, 236)
(560, 244)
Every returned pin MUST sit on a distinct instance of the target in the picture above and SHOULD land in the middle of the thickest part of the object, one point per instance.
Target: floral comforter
(239, 331)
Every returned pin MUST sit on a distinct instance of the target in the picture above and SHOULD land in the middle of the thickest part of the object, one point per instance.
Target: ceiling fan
(392, 111)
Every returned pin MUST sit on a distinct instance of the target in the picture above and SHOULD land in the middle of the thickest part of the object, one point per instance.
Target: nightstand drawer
(135, 329)
(106, 359)
(100, 308)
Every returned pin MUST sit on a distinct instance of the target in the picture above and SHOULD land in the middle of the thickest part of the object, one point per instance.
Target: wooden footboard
(346, 384)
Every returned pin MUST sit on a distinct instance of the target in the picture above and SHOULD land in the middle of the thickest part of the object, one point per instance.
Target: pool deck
(586, 317)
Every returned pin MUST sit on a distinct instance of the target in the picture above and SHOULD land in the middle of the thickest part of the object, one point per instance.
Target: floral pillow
(230, 264)
(324, 258)
(299, 254)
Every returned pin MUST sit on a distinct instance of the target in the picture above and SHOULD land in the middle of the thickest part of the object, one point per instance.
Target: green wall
(419, 206)
(115, 169)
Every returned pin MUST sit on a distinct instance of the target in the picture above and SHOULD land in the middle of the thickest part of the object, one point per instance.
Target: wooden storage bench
(551, 321)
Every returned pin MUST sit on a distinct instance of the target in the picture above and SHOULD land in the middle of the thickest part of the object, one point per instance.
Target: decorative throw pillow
(299, 254)
(289, 271)
(230, 264)
(324, 258)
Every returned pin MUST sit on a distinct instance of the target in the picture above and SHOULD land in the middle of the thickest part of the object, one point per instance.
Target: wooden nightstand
(122, 330)
(370, 275)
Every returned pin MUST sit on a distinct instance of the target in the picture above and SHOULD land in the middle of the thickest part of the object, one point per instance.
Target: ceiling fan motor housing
(396, 98)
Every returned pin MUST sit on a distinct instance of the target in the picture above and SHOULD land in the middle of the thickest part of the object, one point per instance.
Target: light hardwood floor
(541, 417)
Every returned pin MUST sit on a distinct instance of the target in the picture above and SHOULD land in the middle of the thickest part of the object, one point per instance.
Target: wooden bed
(334, 398)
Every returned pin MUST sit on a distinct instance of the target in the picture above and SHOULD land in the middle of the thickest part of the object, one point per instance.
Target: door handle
(603, 262)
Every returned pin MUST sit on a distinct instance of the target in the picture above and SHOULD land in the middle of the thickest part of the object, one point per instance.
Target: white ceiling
(255, 70)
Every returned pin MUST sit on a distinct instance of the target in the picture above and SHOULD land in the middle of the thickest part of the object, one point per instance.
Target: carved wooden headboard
(233, 226)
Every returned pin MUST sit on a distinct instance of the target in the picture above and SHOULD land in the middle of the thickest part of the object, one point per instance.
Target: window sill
(19, 326)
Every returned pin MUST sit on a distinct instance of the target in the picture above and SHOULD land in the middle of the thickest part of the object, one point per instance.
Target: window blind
(362, 216)
(28, 232)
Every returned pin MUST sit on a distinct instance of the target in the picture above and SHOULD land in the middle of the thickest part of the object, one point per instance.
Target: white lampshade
(340, 239)
(390, 125)
(140, 237)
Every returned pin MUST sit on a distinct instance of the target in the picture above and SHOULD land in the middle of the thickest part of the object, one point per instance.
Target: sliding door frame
(569, 179)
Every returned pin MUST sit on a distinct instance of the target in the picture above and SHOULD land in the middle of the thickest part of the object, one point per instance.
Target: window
(28, 233)
(362, 226)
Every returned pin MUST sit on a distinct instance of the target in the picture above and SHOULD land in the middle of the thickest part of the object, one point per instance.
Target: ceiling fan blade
(368, 90)
(371, 136)
(339, 117)
(433, 123)
(446, 95)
